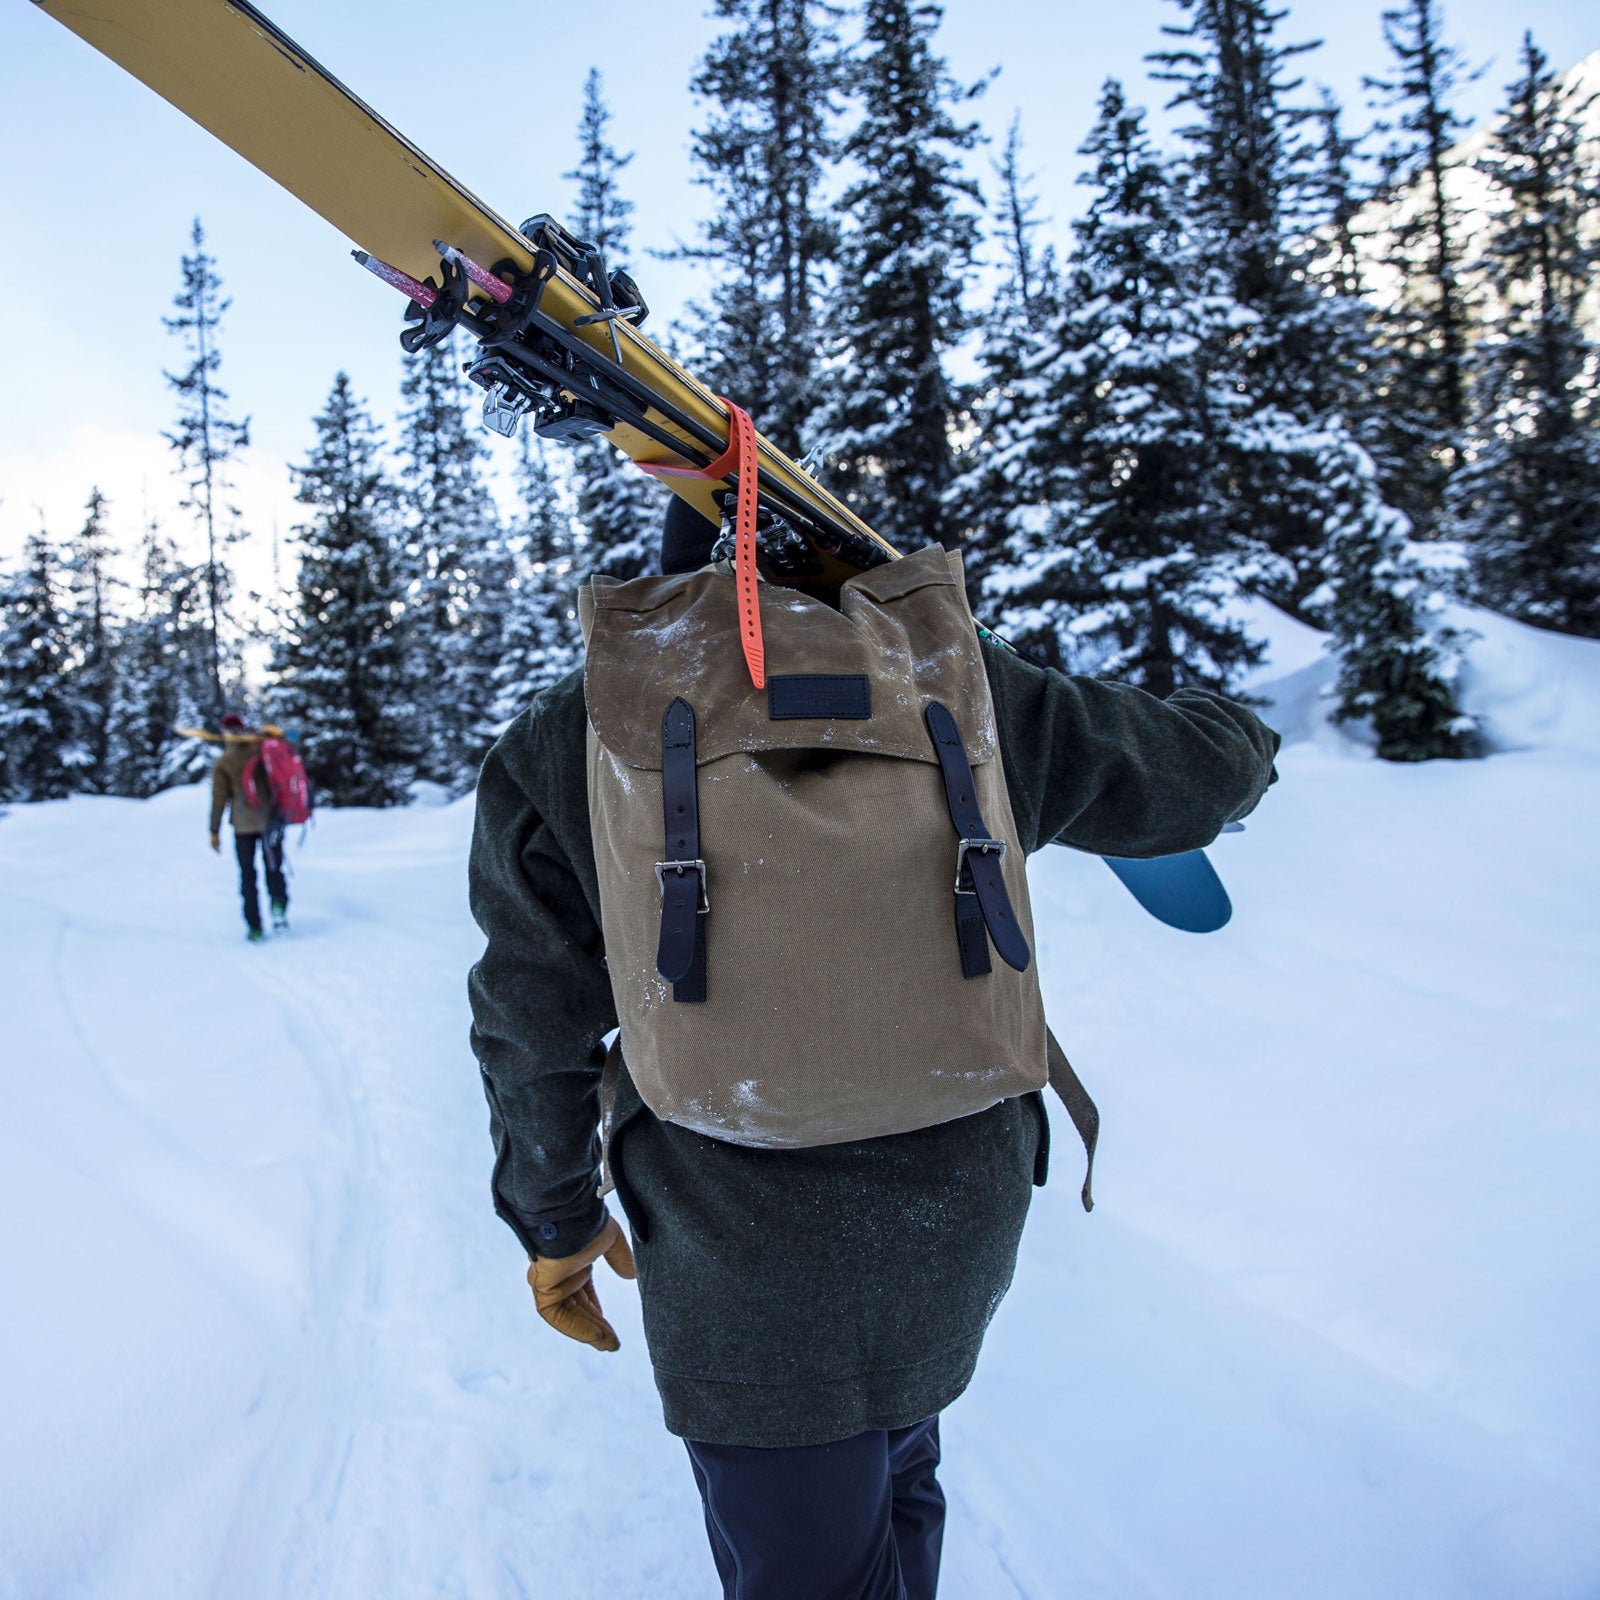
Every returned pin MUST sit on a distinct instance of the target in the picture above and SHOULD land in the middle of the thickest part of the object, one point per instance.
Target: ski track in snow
(1329, 1334)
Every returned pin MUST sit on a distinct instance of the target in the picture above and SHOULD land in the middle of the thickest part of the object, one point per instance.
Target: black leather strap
(681, 952)
(979, 856)
(690, 989)
(1083, 1111)
(972, 936)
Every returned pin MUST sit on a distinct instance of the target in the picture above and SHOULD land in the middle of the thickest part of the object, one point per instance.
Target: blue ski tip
(1182, 891)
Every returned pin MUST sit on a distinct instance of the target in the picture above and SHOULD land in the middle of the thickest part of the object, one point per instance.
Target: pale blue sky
(99, 180)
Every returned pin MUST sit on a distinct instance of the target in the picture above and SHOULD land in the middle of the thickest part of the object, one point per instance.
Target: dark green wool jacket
(799, 1296)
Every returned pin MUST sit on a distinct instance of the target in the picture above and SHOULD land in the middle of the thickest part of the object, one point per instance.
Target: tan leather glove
(563, 1287)
(216, 842)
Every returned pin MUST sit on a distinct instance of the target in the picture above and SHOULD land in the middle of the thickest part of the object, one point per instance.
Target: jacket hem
(779, 1414)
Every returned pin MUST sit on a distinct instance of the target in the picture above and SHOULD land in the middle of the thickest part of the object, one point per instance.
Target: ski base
(1182, 891)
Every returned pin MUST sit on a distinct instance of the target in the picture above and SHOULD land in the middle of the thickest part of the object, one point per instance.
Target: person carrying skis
(809, 1312)
(253, 826)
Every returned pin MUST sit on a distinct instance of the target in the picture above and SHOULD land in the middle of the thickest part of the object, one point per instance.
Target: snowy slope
(1329, 1333)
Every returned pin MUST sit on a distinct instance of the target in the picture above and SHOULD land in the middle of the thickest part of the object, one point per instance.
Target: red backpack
(276, 777)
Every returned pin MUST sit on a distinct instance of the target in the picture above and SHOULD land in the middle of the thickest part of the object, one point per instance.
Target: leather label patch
(831, 696)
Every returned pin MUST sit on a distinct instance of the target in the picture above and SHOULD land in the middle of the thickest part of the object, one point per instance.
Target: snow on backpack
(812, 891)
(275, 779)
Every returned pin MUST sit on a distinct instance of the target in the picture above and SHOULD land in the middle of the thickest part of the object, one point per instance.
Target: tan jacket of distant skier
(227, 786)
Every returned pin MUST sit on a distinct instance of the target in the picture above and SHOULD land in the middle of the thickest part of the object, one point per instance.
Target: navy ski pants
(244, 845)
(862, 1519)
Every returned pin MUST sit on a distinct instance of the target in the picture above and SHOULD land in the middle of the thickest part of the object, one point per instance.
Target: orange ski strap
(739, 457)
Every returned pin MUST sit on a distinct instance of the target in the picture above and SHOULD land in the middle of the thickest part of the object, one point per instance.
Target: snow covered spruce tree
(1420, 375)
(162, 679)
(41, 756)
(1383, 598)
(770, 83)
(619, 511)
(884, 429)
(1297, 477)
(340, 670)
(989, 483)
(1398, 661)
(90, 638)
(1117, 563)
(618, 507)
(542, 641)
(603, 210)
(451, 533)
(1527, 498)
(1246, 170)
(206, 439)
(1338, 197)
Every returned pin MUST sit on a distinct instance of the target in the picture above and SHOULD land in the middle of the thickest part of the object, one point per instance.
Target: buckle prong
(680, 867)
(984, 847)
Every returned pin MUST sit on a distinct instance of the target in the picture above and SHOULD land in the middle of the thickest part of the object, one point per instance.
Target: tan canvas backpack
(813, 896)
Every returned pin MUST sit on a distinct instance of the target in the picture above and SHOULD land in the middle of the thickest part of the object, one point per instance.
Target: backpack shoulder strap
(250, 776)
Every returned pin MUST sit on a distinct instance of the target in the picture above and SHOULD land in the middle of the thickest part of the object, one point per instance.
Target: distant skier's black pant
(862, 1519)
(272, 860)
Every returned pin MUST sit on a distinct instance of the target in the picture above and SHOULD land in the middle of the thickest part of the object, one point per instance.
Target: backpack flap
(898, 627)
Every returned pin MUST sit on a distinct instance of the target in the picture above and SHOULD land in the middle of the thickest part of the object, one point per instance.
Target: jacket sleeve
(221, 793)
(541, 1004)
(1107, 768)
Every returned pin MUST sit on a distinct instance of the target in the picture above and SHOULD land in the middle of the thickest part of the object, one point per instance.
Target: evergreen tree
(541, 637)
(885, 425)
(1333, 252)
(1339, 200)
(988, 485)
(340, 667)
(41, 756)
(451, 537)
(1030, 282)
(603, 212)
(619, 512)
(770, 83)
(1398, 659)
(162, 682)
(618, 507)
(494, 591)
(89, 626)
(1527, 499)
(550, 543)
(1118, 563)
(1421, 386)
(1252, 202)
(1256, 204)
(1263, 204)
(206, 438)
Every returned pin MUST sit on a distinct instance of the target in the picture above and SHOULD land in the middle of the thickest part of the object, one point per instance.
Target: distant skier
(250, 810)
(809, 1311)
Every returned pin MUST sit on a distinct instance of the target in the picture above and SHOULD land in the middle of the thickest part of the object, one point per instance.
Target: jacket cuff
(555, 1237)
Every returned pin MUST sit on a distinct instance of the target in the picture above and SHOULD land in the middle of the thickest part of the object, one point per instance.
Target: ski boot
(256, 936)
(280, 918)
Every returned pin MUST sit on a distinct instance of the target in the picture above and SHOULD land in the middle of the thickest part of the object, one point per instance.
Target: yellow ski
(559, 333)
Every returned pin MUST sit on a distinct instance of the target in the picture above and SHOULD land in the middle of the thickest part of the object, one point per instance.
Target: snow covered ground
(1330, 1333)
